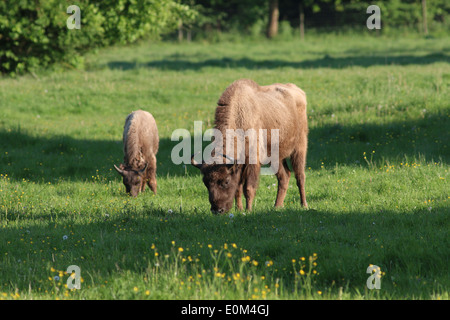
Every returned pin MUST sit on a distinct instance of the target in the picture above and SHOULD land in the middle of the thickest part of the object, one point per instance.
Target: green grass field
(377, 176)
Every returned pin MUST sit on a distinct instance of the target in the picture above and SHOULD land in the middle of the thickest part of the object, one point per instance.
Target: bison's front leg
(142, 188)
(251, 184)
(152, 175)
(152, 185)
(238, 197)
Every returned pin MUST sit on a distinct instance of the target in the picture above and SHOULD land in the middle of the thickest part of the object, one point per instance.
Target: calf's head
(132, 179)
(222, 181)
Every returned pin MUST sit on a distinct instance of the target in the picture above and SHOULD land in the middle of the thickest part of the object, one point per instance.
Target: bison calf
(245, 106)
(140, 146)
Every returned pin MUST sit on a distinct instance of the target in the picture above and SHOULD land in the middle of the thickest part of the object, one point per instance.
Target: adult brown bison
(246, 106)
(140, 146)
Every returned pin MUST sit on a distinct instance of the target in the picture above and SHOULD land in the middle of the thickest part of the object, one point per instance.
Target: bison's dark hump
(242, 84)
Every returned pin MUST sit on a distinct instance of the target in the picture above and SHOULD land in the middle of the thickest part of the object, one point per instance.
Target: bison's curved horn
(118, 170)
(195, 163)
(233, 161)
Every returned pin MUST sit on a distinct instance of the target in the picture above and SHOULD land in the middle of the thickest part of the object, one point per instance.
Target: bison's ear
(119, 170)
(195, 163)
(232, 167)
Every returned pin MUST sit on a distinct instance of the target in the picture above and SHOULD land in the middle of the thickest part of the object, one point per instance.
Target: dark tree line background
(267, 16)
(34, 34)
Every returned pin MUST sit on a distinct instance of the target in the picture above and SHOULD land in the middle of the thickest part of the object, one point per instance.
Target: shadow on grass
(45, 159)
(42, 159)
(325, 62)
(413, 258)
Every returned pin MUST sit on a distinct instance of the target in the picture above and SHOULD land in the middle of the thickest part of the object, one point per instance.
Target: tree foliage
(34, 32)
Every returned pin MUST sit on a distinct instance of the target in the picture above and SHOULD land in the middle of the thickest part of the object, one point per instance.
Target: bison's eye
(224, 183)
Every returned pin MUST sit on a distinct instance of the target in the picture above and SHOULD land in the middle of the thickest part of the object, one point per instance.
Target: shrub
(34, 33)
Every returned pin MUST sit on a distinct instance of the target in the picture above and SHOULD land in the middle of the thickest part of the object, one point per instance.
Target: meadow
(377, 175)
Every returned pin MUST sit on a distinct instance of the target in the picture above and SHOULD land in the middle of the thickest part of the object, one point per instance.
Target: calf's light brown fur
(140, 146)
(246, 105)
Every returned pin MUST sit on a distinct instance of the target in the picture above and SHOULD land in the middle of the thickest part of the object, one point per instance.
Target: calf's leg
(151, 181)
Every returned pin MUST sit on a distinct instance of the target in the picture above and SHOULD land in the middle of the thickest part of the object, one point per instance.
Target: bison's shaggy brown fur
(140, 146)
(246, 105)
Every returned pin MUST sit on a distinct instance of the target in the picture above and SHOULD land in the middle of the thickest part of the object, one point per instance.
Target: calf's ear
(141, 172)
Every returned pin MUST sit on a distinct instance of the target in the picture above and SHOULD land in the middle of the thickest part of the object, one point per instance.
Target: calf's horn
(143, 170)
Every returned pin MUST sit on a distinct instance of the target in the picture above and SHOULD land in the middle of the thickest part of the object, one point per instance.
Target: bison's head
(221, 180)
(132, 179)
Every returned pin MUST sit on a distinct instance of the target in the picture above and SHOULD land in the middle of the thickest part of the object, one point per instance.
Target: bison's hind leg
(283, 174)
(298, 160)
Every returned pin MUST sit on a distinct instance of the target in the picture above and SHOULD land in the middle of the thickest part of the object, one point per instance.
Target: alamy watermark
(374, 281)
(74, 280)
(74, 21)
(374, 21)
(249, 146)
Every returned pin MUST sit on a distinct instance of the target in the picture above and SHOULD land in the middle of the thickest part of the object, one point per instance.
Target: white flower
(65, 237)
(169, 211)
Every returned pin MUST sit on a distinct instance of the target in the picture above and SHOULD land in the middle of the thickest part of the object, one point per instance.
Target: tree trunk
(424, 17)
(272, 29)
(302, 23)
(180, 31)
(189, 35)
